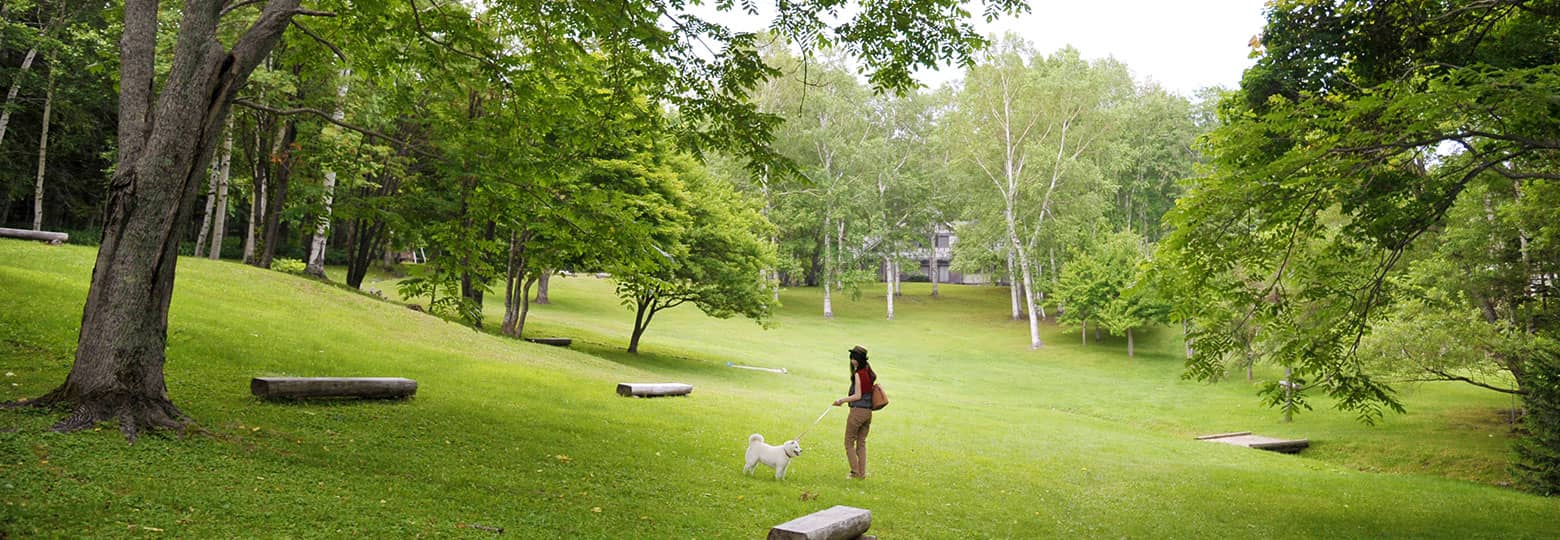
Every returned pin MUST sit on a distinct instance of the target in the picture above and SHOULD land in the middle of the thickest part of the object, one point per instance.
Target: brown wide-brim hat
(859, 349)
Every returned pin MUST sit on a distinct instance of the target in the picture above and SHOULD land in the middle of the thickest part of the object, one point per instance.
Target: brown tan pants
(856, 427)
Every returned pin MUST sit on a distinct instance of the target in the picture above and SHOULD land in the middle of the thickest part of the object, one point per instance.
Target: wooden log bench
(554, 341)
(332, 387)
(653, 389)
(55, 238)
(834, 523)
(1246, 439)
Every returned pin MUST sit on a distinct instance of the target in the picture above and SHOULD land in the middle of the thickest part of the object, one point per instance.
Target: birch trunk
(828, 304)
(888, 266)
(316, 266)
(931, 261)
(839, 257)
(16, 86)
(219, 218)
(1013, 285)
(897, 281)
(1029, 296)
(257, 195)
(1186, 338)
(211, 202)
(43, 151)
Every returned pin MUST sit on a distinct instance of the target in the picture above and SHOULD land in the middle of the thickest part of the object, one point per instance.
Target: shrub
(1538, 453)
(291, 266)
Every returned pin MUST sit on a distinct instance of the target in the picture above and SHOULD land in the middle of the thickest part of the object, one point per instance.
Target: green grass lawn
(984, 438)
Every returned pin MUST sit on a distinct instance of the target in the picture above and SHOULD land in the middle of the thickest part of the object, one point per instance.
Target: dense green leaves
(1365, 217)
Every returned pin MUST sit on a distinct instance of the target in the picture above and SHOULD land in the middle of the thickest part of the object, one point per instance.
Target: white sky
(1183, 45)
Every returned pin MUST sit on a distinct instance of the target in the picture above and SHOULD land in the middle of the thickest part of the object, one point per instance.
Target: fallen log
(554, 341)
(55, 238)
(835, 523)
(653, 389)
(332, 387)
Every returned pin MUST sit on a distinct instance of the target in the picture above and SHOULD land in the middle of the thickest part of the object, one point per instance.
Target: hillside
(984, 438)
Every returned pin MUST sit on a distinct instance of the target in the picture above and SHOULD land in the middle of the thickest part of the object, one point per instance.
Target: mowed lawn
(984, 439)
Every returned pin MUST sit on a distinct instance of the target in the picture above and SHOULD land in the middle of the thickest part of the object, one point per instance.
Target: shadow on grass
(660, 362)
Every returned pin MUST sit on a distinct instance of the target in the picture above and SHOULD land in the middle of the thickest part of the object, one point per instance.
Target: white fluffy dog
(778, 457)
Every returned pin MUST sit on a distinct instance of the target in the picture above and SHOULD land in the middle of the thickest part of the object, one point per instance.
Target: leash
(815, 423)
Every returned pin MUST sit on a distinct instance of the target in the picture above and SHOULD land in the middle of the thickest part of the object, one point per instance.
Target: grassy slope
(984, 439)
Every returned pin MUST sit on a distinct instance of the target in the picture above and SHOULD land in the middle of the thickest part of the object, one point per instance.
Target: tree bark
(1130, 344)
(219, 218)
(43, 151)
(163, 153)
(888, 267)
(1029, 296)
(16, 86)
(931, 261)
(1013, 286)
(316, 266)
(276, 188)
(257, 195)
(514, 272)
(211, 203)
(828, 278)
(643, 312)
(366, 236)
(1186, 337)
(897, 282)
(541, 286)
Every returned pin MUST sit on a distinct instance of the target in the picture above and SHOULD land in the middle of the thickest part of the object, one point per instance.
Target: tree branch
(235, 7)
(328, 118)
(1459, 378)
(417, 19)
(333, 48)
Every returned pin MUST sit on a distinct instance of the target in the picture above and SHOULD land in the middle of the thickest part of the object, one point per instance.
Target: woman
(860, 420)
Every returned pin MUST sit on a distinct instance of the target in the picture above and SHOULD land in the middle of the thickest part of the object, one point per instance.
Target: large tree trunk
(316, 266)
(219, 218)
(1013, 286)
(43, 151)
(1130, 345)
(163, 153)
(16, 86)
(541, 286)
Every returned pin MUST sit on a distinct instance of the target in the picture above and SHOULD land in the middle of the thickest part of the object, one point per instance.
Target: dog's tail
(755, 438)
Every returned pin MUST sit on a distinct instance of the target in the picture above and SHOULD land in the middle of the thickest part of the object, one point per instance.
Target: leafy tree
(1364, 131)
(169, 126)
(1108, 284)
(1029, 126)
(712, 260)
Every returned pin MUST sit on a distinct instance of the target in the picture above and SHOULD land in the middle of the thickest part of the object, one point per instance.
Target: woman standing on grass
(860, 420)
